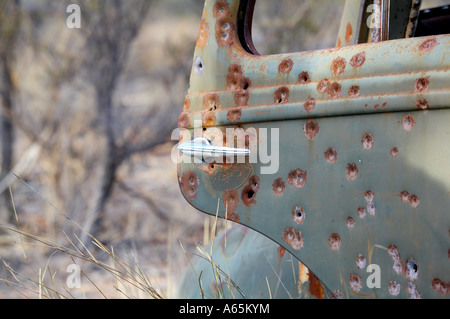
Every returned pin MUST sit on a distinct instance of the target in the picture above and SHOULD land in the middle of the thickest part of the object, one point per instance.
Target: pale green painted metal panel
(396, 91)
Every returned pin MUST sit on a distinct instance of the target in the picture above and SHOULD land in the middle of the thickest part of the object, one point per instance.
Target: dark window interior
(433, 21)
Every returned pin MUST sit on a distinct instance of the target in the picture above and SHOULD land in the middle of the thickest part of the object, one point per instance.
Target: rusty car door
(348, 162)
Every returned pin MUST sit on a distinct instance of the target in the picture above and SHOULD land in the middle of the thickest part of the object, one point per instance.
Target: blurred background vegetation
(85, 122)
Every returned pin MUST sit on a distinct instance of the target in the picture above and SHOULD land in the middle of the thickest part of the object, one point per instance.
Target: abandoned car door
(341, 155)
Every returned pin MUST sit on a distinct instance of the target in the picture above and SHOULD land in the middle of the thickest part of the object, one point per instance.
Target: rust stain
(281, 251)
(315, 286)
(187, 104)
(225, 28)
(338, 66)
(310, 105)
(234, 115)
(428, 45)
(239, 84)
(339, 42)
(297, 178)
(348, 34)
(211, 101)
(209, 118)
(394, 152)
(230, 201)
(184, 120)
(285, 66)
(190, 183)
(358, 59)
(278, 187)
(203, 35)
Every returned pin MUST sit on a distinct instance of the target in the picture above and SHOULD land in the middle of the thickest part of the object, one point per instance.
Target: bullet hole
(332, 89)
(311, 129)
(394, 288)
(241, 98)
(234, 77)
(298, 215)
(394, 152)
(352, 171)
(428, 45)
(353, 91)
(293, 238)
(398, 266)
(422, 84)
(393, 252)
(411, 270)
(348, 33)
(361, 211)
(337, 294)
(404, 195)
(408, 122)
(209, 118)
(350, 222)
(281, 95)
(221, 9)
(335, 90)
(211, 101)
(234, 115)
(184, 121)
(422, 104)
(439, 286)
(330, 155)
(323, 86)
(249, 192)
(358, 60)
(334, 241)
(245, 83)
(285, 66)
(297, 178)
(369, 196)
(224, 27)
(413, 200)
(310, 105)
(367, 141)
(360, 262)
(304, 78)
(190, 183)
(198, 66)
(371, 209)
(338, 66)
(355, 282)
(411, 289)
(278, 187)
(203, 35)
(230, 199)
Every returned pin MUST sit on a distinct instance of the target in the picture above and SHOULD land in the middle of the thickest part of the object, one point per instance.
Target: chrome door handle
(202, 149)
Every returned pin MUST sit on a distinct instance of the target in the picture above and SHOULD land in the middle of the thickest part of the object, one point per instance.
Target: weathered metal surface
(363, 140)
(258, 268)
